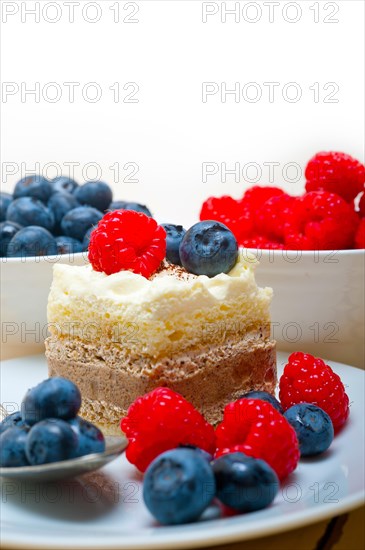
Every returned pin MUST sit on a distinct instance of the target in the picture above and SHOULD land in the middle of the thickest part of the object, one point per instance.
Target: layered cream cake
(119, 336)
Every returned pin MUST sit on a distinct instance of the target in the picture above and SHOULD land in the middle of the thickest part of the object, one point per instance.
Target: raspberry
(321, 221)
(256, 196)
(125, 239)
(360, 235)
(307, 379)
(163, 420)
(230, 212)
(362, 205)
(254, 427)
(272, 218)
(261, 243)
(337, 173)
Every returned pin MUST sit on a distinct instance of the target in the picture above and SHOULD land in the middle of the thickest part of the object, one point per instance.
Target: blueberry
(86, 241)
(50, 440)
(53, 398)
(62, 184)
(125, 205)
(32, 241)
(208, 248)
(95, 193)
(174, 235)
(60, 204)
(14, 419)
(7, 232)
(264, 396)
(68, 245)
(313, 427)
(244, 483)
(5, 200)
(203, 453)
(76, 222)
(33, 186)
(12, 447)
(178, 486)
(90, 438)
(30, 211)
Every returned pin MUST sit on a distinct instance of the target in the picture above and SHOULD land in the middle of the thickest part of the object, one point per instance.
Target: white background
(170, 132)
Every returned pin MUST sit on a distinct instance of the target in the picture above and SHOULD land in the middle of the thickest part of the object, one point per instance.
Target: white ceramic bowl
(318, 303)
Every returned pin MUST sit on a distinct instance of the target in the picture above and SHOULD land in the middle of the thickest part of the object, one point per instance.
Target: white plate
(105, 509)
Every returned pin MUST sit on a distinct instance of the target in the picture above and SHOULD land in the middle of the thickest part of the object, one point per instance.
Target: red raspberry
(272, 218)
(256, 196)
(229, 211)
(360, 235)
(163, 420)
(337, 173)
(362, 205)
(321, 221)
(254, 427)
(307, 379)
(127, 240)
(261, 243)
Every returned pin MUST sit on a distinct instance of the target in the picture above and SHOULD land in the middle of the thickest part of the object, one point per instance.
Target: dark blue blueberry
(76, 222)
(30, 211)
(63, 184)
(208, 248)
(125, 205)
(203, 453)
(5, 200)
(96, 194)
(33, 186)
(32, 241)
(244, 483)
(90, 438)
(53, 398)
(7, 232)
(86, 241)
(12, 447)
(50, 440)
(14, 419)
(174, 235)
(60, 204)
(313, 427)
(178, 486)
(264, 396)
(68, 245)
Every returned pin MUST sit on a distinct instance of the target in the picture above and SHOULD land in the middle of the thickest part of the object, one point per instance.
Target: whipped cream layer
(172, 312)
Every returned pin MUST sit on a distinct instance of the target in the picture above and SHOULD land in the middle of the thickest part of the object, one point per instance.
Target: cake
(119, 336)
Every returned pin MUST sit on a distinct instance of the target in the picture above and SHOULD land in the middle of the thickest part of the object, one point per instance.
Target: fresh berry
(127, 240)
(307, 379)
(208, 248)
(7, 232)
(125, 205)
(207, 456)
(230, 212)
(63, 184)
(77, 221)
(255, 428)
(50, 440)
(32, 241)
(14, 419)
(53, 398)
(68, 245)
(60, 204)
(178, 486)
(264, 396)
(174, 235)
(313, 427)
(337, 173)
(5, 200)
(90, 438)
(321, 221)
(254, 197)
(12, 447)
(261, 243)
(35, 186)
(86, 240)
(362, 205)
(272, 218)
(94, 193)
(244, 483)
(360, 235)
(162, 420)
(30, 211)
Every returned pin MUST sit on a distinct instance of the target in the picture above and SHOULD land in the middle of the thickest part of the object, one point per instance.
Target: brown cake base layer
(109, 382)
